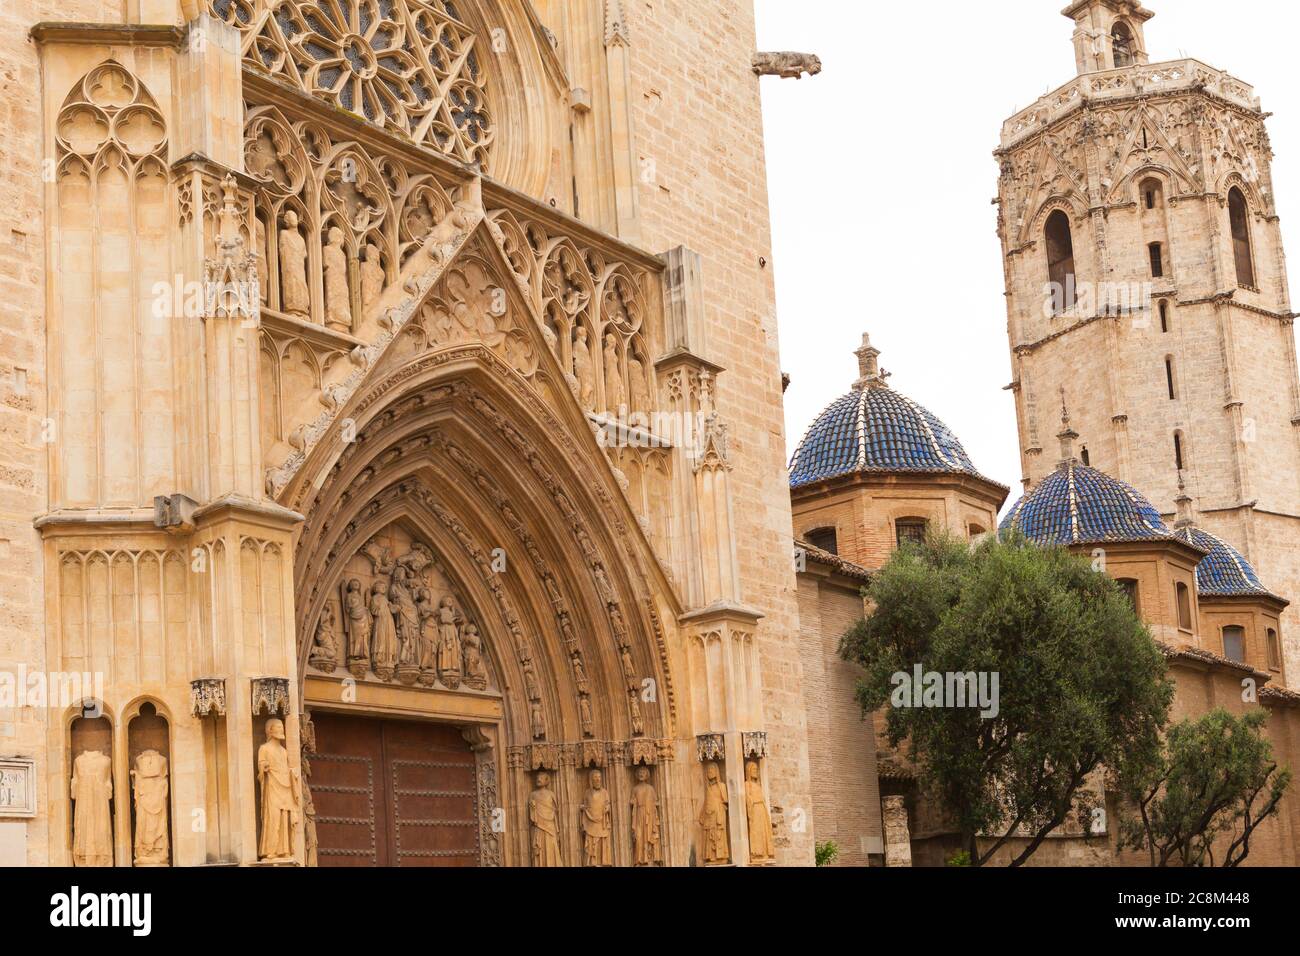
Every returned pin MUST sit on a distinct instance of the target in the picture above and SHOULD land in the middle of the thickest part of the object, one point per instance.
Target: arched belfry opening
(463, 589)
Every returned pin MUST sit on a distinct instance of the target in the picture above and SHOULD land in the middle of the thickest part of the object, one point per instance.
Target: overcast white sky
(881, 173)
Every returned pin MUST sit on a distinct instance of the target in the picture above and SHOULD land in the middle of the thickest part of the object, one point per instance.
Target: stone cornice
(719, 612)
(115, 34)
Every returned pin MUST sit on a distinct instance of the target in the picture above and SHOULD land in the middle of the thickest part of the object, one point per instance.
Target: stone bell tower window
(1121, 38)
(1239, 218)
(1060, 258)
(1157, 260)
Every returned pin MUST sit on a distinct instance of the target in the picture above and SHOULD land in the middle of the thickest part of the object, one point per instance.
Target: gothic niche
(397, 618)
(91, 791)
(149, 753)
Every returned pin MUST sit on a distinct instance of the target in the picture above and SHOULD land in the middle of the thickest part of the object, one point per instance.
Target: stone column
(898, 839)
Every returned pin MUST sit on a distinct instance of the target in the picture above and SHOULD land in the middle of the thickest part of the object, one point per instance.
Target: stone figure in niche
(607, 593)
(356, 621)
(334, 259)
(281, 799)
(629, 669)
(638, 390)
(149, 791)
(325, 646)
(475, 670)
(596, 822)
(584, 716)
(713, 816)
(263, 274)
(584, 370)
(537, 719)
(634, 713)
(372, 277)
(449, 657)
(428, 637)
(406, 621)
(383, 640)
(544, 823)
(531, 686)
(760, 821)
(92, 821)
(613, 376)
(645, 820)
(294, 297)
(580, 675)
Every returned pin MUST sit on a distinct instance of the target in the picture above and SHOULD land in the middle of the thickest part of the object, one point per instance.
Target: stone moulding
(208, 697)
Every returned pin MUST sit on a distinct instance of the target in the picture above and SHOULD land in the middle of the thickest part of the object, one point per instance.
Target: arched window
(1152, 194)
(1130, 588)
(1060, 260)
(975, 532)
(1183, 601)
(1122, 41)
(1169, 377)
(1157, 260)
(1239, 218)
(1179, 456)
(1274, 650)
(1234, 643)
(825, 539)
(910, 530)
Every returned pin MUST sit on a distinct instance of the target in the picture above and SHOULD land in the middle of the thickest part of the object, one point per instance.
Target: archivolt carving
(408, 66)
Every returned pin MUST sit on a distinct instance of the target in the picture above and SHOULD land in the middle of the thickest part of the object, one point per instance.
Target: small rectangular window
(910, 531)
(1183, 598)
(1169, 377)
(1274, 650)
(1234, 643)
(1157, 260)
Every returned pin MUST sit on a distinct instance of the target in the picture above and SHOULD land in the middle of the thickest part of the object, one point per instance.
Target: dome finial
(870, 374)
(1185, 517)
(1067, 435)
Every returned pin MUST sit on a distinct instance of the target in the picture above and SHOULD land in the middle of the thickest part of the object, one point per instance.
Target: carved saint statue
(294, 296)
(406, 621)
(544, 823)
(645, 820)
(537, 718)
(372, 276)
(584, 716)
(149, 791)
(475, 670)
(596, 822)
(580, 675)
(383, 641)
(428, 637)
(334, 259)
(760, 821)
(638, 390)
(325, 647)
(92, 821)
(584, 370)
(613, 376)
(356, 621)
(281, 800)
(531, 686)
(449, 659)
(713, 816)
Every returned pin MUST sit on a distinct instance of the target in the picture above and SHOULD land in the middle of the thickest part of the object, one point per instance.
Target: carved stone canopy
(208, 697)
(754, 743)
(544, 757)
(591, 753)
(710, 747)
(641, 751)
(271, 696)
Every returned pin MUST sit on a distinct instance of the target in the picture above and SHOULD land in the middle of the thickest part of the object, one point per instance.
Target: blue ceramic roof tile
(875, 429)
(1223, 571)
(1077, 504)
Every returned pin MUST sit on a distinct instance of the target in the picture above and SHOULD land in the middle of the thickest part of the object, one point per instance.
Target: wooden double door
(393, 793)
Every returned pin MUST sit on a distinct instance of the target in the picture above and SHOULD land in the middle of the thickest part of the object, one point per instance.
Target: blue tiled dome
(1081, 505)
(875, 429)
(1223, 571)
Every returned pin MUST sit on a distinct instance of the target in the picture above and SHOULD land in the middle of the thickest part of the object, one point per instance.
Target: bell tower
(1146, 280)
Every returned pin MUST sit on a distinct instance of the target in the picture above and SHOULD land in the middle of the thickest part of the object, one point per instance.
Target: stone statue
(613, 376)
(294, 296)
(356, 621)
(787, 65)
(638, 391)
(406, 621)
(428, 637)
(475, 670)
(372, 277)
(713, 816)
(580, 675)
(760, 821)
(334, 259)
(281, 800)
(585, 371)
(325, 648)
(92, 820)
(263, 275)
(537, 718)
(544, 823)
(383, 641)
(645, 820)
(149, 791)
(449, 658)
(596, 822)
(584, 716)
(531, 686)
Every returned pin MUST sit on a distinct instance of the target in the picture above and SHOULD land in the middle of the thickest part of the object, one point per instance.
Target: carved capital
(710, 747)
(543, 757)
(754, 743)
(208, 697)
(642, 752)
(591, 753)
(271, 696)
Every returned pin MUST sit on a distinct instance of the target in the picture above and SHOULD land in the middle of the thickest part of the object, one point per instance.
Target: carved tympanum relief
(402, 619)
(411, 67)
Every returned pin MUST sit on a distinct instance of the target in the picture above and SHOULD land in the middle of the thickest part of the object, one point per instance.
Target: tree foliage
(1081, 682)
(1214, 782)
